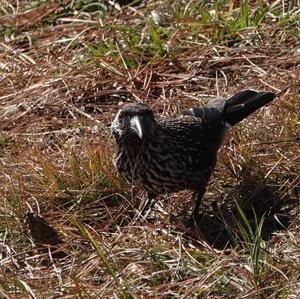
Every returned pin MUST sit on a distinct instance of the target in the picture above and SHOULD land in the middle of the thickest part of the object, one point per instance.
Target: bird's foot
(193, 220)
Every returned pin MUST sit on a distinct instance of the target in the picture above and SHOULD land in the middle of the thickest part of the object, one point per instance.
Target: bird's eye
(123, 116)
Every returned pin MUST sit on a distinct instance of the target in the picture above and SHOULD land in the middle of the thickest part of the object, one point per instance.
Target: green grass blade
(122, 289)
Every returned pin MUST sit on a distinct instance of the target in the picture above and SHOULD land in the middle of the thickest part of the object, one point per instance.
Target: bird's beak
(136, 126)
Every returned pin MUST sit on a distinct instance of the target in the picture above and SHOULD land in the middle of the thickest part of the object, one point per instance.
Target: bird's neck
(131, 142)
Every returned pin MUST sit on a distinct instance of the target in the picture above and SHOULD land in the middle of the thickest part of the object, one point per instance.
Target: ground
(68, 225)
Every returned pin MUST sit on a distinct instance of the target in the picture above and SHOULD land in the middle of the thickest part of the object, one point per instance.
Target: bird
(168, 155)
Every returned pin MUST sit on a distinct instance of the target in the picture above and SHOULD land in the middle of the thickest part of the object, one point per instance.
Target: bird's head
(132, 121)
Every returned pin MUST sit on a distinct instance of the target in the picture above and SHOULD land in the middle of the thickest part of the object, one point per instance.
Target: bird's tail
(243, 104)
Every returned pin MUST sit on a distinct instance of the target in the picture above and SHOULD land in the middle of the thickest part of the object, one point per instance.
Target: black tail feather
(245, 103)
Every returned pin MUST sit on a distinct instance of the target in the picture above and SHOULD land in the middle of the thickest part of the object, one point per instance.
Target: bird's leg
(197, 198)
(148, 203)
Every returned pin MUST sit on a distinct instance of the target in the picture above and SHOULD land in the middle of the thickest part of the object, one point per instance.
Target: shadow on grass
(221, 227)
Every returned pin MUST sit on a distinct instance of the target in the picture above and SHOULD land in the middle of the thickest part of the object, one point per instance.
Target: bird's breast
(162, 165)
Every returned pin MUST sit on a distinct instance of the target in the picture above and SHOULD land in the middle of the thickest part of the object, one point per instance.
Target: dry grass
(65, 68)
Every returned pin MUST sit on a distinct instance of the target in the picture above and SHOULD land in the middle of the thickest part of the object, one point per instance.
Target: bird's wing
(230, 111)
(210, 114)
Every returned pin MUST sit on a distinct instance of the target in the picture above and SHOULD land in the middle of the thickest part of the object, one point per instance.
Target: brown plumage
(173, 154)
